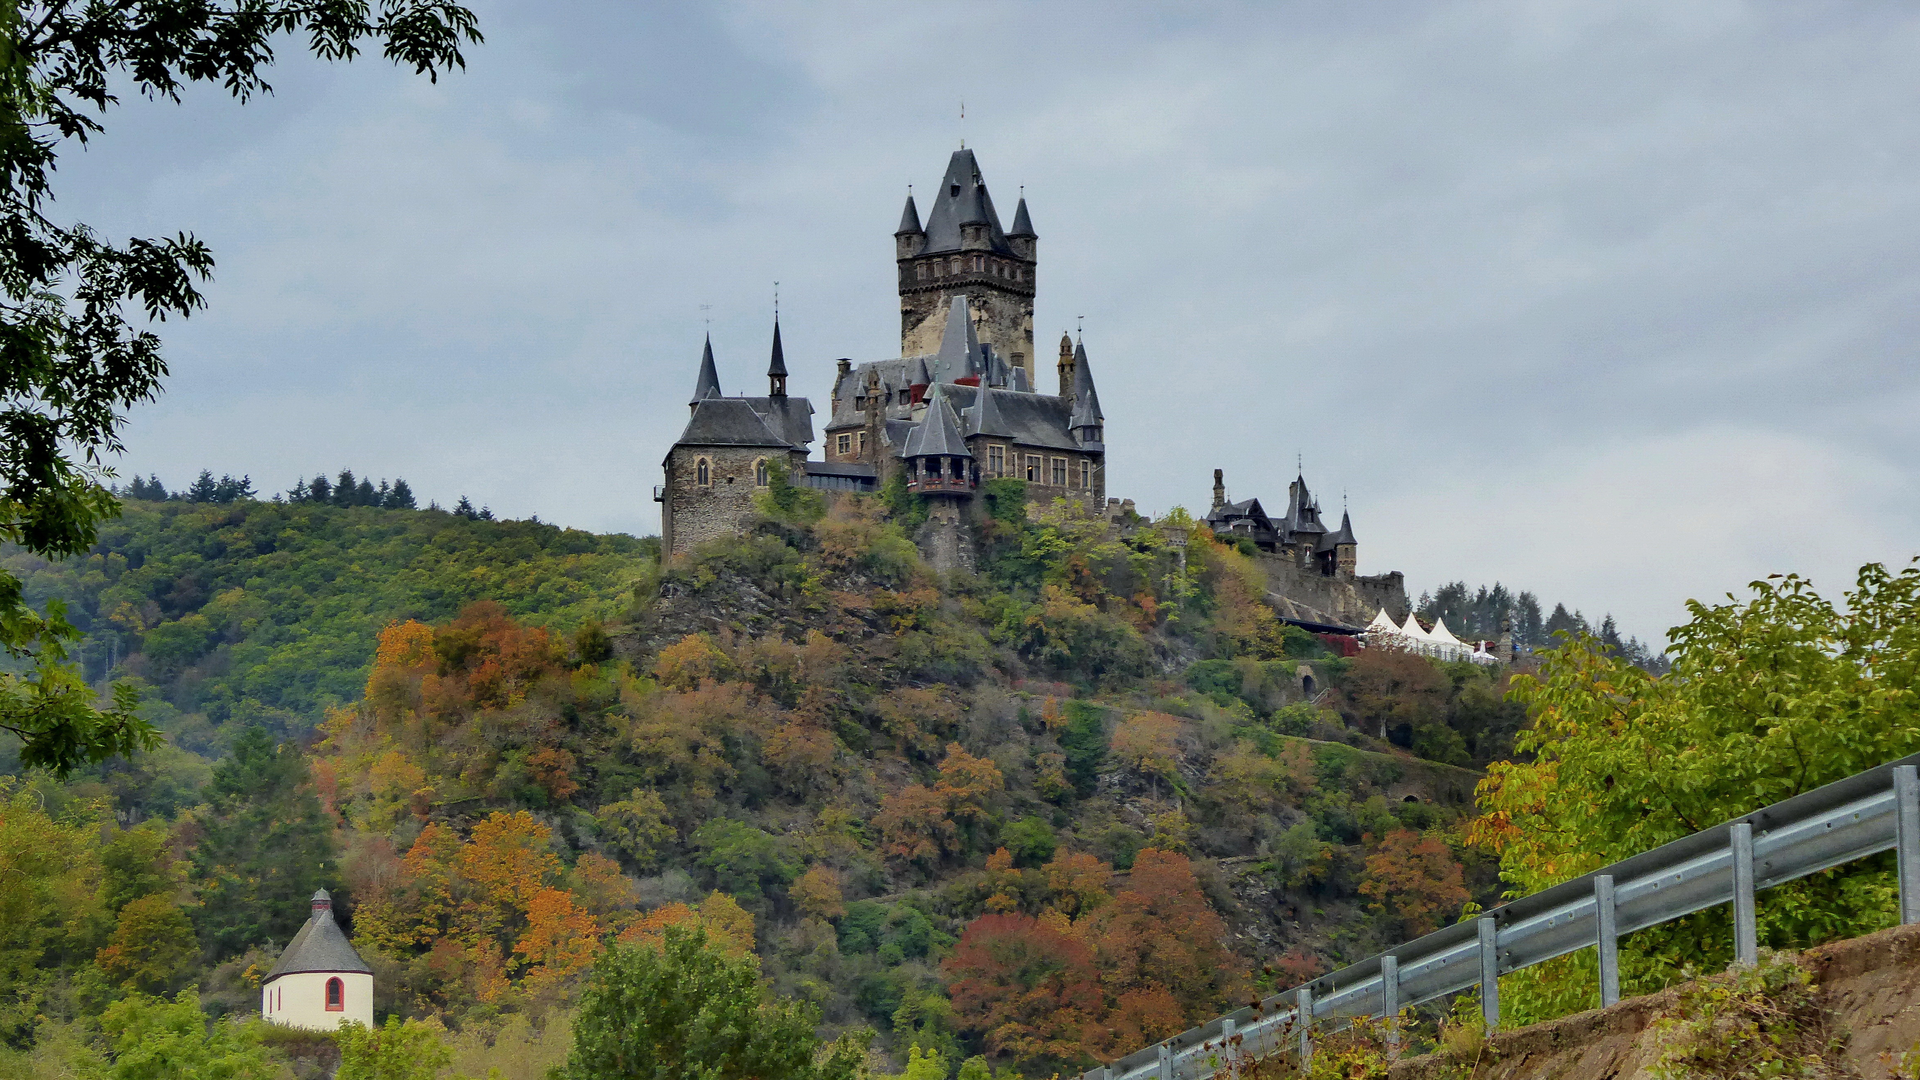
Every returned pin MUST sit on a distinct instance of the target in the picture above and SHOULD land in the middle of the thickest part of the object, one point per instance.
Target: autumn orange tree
(1029, 987)
(923, 825)
(1414, 881)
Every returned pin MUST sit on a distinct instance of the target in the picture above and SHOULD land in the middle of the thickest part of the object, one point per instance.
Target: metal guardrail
(1862, 815)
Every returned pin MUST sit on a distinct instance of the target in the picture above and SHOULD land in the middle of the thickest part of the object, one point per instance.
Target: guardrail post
(1303, 1018)
(1607, 935)
(1906, 800)
(1390, 996)
(1228, 1051)
(1746, 934)
(1489, 973)
(1166, 1063)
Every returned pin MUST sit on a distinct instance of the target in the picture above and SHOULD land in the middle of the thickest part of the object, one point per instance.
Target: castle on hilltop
(962, 405)
(958, 407)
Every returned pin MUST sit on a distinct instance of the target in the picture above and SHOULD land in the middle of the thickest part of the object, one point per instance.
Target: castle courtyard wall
(1306, 594)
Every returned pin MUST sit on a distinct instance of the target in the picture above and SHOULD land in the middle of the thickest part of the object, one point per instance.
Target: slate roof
(963, 200)
(722, 421)
(1345, 534)
(909, 219)
(959, 355)
(1032, 419)
(1086, 401)
(319, 946)
(1022, 225)
(938, 433)
(708, 383)
(984, 418)
(778, 365)
(791, 417)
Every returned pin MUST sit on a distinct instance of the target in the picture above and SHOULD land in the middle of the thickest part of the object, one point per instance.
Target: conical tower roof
(959, 345)
(778, 365)
(938, 433)
(319, 946)
(909, 219)
(1345, 534)
(1022, 225)
(1086, 400)
(708, 384)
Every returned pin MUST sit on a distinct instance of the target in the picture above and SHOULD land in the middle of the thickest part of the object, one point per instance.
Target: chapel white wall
(299, 1000)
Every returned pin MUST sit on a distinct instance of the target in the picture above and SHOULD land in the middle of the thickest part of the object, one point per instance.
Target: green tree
(687, 1011)
(1766, 699)
(265, 849)
(397, 1050)
(744, 860)
(71, 361)
(152, 946)
(156, 1039)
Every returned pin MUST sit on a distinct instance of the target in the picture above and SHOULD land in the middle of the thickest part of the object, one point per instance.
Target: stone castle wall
(1304, 594)
(1001, 319)
(690, 513)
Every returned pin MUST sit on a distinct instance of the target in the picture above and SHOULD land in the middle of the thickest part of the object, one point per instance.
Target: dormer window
(953, 190)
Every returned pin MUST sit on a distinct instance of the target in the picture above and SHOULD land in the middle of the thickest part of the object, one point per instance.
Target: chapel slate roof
(778, 365)
(791, 417)
(722, 421)
(319, 946)
(962, 200)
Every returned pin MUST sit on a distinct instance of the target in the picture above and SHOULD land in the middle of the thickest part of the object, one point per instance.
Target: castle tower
(319, 982)
(1066, 368)
(777, 366)
(1219, 488)
(939, 465)
(962, 250)
(1088, 424)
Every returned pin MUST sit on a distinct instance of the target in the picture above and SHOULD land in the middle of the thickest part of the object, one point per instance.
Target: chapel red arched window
(336, 995)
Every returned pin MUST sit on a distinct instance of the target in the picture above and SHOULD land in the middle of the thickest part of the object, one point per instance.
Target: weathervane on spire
(776, 301)
(706, 316)
(963, 125)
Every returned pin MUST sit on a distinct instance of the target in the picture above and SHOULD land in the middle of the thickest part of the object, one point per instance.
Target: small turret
(1219, 489)
(1066, 369)
(1021, 237)
(909, 238)
(777, 366)
(1088, 422)
(708, 384)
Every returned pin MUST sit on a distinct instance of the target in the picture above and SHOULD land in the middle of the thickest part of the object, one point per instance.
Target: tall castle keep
(958, 407)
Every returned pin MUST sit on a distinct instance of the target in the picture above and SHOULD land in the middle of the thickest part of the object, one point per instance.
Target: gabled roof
(707, 385)
(909, 219)
(319, 946)
(939, 432)
(1022, 225)
(721, 421)
(963, 200)
(1030, 419)
(777, 365)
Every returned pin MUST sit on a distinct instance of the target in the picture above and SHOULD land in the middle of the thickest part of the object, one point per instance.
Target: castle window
(956, 264)
(1059, 472)
(336, 995)
(863, 442)
(1086, 474)
(703, 473)
(920, 271)
(760, 472)
(1033, 468)
(996, 460)
(843, 444)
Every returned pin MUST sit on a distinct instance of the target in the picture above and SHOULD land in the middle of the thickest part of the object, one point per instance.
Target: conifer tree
(399, 497)
(464, 509)
(266, 847)
(204, 489)
(320, 490)
(344, 487)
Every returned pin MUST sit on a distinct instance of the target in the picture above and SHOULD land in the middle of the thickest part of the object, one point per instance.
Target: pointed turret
(708, 384)
(777, 366)
(1022, 225)
(1345, 535)
(1087, 419)
(910, 219)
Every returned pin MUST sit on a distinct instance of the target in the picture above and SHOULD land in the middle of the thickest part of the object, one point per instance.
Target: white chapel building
(319, 983)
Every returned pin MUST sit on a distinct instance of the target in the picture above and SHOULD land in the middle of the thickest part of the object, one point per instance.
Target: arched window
(703, 473)
(760, 472)
(336, 995)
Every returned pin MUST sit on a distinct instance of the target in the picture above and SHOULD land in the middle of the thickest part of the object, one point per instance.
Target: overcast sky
(1615, 302)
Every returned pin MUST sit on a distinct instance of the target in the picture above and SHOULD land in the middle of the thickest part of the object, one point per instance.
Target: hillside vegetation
(1040, 815)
